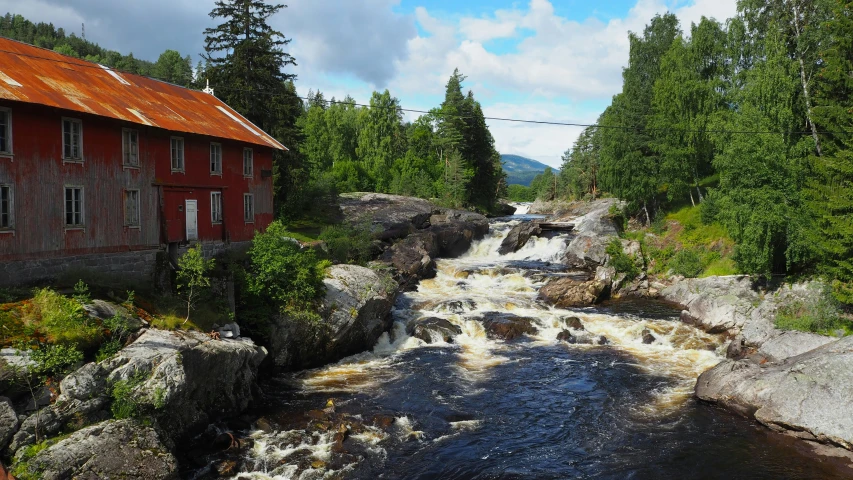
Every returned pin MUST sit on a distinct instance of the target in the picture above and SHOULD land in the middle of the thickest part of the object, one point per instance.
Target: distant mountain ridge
(521, 170)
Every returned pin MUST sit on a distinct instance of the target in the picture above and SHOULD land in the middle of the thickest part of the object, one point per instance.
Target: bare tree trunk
(805, 81)
(692, 201)
(648, 218)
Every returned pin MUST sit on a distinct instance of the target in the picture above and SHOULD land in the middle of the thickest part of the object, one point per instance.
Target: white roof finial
(207, 89)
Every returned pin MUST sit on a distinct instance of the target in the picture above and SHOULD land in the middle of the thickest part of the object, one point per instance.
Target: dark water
(546, 410)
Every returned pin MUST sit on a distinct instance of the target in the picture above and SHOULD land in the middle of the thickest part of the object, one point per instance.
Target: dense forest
(752, 120)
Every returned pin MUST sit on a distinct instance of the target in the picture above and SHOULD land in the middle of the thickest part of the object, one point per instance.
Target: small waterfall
(463, 290)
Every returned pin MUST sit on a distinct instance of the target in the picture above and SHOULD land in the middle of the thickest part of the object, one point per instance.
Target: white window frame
(248, 207)
(9, 152)
(216, 161)
(82, 212)
(181, 168)
(250, 172)
(216, 208)
(11, 227)
(79, 123)
(128, 222)
(126, 159)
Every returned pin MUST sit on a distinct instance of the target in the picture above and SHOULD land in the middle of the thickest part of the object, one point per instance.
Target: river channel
(531, 408)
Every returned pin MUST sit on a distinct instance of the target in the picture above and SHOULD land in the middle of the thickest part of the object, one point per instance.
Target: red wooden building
(94, 161)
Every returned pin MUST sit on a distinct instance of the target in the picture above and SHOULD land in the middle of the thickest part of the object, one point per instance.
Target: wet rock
(457, 306)
(113, 449)
(355, 314)
(226, 468)
(507, 326)
(574, 323)
(809, 394)
(504, 209)
(413, 258)
(602, 340)
(594, 230)
(519, 236)
(428, 328)
(456, 230)
(571, 293)
(383, 421)
(735, 349)
(566, 336)
(8, 422)
(648, 338)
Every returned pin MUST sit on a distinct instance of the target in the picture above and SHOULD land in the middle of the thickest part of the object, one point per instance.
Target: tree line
(751, 119)
(171, 66)
(448, 154)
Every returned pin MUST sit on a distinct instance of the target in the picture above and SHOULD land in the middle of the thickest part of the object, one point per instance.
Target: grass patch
(720, 267)
(820, 313)
(22, 470)
(168, 313)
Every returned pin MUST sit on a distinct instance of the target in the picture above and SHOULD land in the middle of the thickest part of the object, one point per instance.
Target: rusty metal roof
(36, 75)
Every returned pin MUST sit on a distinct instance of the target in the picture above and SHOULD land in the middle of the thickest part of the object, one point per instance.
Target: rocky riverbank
(796, 383)
(125, 416)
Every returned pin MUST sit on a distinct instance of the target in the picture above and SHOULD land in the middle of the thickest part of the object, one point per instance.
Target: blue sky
(555, 60)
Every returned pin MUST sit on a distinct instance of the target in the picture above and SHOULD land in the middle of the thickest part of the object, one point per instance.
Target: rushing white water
(462, 291)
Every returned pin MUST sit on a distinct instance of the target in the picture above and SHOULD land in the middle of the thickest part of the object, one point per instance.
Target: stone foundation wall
(126, 267)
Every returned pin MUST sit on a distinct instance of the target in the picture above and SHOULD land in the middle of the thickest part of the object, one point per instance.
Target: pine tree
(831, 192)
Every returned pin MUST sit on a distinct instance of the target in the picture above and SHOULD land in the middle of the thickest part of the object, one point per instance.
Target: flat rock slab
(810, 395)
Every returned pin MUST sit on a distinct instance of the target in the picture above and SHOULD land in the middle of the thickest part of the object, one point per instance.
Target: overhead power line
(87, 64)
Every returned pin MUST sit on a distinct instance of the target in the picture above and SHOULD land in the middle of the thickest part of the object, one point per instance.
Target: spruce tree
(831, 192)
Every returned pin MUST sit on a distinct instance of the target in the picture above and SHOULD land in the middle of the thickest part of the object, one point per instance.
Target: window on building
(216, 207)
(7, 219)
(215, 159)
(5, 130)
(248, 207)
(177, 154)
(72, 140)
(130, 147)
(131, 208)
(248, 162)
(73, 206)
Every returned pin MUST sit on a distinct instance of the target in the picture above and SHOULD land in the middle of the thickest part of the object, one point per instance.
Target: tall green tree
(629, 163)
(173, 68)
(246, 67)
(831, 191)
(688, 93)
(762, 175)
(380, 138)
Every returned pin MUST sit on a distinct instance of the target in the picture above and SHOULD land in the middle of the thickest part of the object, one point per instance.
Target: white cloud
(561, 60)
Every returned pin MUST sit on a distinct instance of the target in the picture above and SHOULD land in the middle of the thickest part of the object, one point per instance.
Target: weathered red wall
(38, 176)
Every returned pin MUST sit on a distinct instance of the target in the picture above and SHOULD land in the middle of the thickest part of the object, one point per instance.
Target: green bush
(55, 360)
(63, 320)
(283, 272)
(686, 263)
(620, 261)
(348, 244)
(81, 292)
(820, 313)
(125, 403)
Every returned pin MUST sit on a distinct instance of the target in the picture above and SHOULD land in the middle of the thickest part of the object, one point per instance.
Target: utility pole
(84, 31)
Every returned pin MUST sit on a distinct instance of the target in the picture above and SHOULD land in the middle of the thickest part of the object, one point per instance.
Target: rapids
(530, 408)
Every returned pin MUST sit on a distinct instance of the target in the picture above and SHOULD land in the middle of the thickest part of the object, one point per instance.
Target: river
(532, 408)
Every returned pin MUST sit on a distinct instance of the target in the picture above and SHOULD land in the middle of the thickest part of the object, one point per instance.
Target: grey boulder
(112, 449)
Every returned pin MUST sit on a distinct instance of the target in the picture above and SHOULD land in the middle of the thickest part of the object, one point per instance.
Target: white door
(192, 220)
